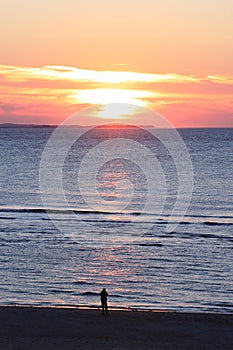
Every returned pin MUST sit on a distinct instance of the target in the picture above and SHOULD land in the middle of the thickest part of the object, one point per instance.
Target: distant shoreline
(116, 125)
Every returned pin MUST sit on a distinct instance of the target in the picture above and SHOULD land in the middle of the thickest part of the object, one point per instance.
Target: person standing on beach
(104, 303)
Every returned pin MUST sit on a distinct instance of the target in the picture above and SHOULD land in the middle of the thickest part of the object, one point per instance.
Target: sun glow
(116, 112)
(47, 94)
(105, 96)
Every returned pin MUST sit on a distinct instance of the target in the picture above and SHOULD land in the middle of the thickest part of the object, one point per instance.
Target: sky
(172, 56)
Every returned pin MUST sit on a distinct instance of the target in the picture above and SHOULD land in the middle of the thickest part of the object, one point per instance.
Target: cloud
(55, 73)
(57, 91)
(6, 108)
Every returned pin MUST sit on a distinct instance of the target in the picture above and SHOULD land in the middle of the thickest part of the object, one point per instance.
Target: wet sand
(24, 328)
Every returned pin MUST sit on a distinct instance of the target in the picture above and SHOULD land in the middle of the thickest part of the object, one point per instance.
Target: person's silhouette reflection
(104, 303)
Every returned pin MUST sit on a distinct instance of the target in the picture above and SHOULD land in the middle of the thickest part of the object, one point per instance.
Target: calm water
(190, 269)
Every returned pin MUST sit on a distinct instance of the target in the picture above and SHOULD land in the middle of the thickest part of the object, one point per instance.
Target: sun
(116, 111)
(104, 96)
(116, 103)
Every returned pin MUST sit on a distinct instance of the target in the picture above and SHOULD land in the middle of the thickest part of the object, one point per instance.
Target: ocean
(53, 254)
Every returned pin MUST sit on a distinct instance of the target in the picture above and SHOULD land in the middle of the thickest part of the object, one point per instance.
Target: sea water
(66, 261)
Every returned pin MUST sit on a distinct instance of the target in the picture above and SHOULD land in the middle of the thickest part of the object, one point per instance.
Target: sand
(25, 328)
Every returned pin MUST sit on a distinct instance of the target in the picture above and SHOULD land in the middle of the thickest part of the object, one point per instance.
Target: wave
(191, 235)
(14, 240)
(88, 211)
(63, 211)
(6, 218)
(151, 244)
(116, 217)
(89, 294)
(62, 291)
(214, 223)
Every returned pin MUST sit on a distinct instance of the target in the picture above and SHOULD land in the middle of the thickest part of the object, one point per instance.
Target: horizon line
(117, 125)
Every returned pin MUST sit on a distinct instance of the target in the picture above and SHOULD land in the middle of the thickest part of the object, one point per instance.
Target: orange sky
(175, 57)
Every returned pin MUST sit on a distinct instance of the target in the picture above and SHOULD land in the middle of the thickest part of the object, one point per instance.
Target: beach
(25, 328)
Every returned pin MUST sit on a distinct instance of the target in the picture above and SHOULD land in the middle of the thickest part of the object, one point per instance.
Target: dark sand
(46, 328)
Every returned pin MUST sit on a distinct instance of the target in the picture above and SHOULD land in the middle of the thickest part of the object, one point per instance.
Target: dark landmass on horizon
(110, 125)
(115, 125)
(15, 125)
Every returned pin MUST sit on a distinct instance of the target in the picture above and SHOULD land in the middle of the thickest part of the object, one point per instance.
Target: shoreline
(111, 306)
(49, 328)
(116, 308)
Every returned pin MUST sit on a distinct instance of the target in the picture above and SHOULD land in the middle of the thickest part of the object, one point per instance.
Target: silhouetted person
(104, 303)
